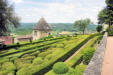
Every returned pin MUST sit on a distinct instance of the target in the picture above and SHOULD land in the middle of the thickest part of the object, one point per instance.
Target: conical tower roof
(42, 25)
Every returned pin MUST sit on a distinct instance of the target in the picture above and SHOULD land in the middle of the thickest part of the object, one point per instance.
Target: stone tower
(41, 29)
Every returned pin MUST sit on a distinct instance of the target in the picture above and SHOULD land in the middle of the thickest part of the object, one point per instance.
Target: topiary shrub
(49, 57)
(35, 53)
(67, 38)
(20, 63)
(60, 45)
(6, 68)
(11, 73)
(79, 69)
(18, 44)
(38, 61)
(60, 68)
(44, 54)
(88, 54)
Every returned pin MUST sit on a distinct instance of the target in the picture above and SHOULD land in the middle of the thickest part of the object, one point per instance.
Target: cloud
(16, 1)
(67, 11)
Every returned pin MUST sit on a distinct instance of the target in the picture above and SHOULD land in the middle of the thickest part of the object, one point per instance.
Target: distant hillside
(26, 28)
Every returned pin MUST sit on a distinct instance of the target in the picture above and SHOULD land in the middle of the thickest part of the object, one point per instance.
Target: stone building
(41, 29)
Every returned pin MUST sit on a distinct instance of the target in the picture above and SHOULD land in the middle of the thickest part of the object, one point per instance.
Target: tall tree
(110, 11)
(82, 24)
(103, 17)
(7, 17)
(106, 14)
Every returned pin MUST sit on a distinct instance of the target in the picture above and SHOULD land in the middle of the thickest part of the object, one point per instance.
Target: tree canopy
(99, 28)
(82, 24)
(106, 14)
(8, 17)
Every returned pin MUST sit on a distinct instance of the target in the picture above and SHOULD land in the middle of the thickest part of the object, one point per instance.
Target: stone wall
(95, 65)
(39, 34)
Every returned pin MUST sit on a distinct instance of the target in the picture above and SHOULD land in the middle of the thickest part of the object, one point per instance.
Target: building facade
(41, 29)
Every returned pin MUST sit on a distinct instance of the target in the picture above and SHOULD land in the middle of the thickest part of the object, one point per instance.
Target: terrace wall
(95, 65)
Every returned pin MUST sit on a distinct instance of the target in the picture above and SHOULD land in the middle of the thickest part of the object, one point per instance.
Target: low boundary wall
(95, 65)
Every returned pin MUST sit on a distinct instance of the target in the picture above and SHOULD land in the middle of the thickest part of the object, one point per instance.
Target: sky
(57, 11)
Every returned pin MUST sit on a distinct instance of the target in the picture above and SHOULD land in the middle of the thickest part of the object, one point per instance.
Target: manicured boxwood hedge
(79, 69)
(32, 52)
(79, 57)
(30, 48)
(32, 45)
(46, 67)
(28, 57)
(29, 43)
(6, 68)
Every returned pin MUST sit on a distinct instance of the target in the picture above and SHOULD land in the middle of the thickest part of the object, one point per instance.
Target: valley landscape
(26, 28)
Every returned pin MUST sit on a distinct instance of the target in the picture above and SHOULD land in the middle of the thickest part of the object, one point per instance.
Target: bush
(46, 66)
(75, 34)
(50, 56)
(79, 69)
(11, 73)
(43, 54)
(110, 31)
(71, 71)
(6, 68)
(62, 45)
(18, 44)
(99, 28)
(88, 54)
(38, 61)
(24, 71)
(60, 68)
(67, 38)
(35, 53)
(20, 63)
(46, 38)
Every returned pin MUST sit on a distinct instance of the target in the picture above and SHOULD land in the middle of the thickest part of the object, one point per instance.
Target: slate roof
(42, 25)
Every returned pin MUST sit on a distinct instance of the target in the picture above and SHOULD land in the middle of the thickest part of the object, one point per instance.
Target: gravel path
(76, 52)
(107, 68)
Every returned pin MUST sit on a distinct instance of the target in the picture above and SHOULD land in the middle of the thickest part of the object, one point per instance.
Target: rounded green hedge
(88, 54)
(38, 61)
(60, 68)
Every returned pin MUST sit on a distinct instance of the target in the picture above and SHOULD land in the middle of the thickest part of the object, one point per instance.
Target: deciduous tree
(106, 14)
(8, 17)
(82, 24)
(99, 28)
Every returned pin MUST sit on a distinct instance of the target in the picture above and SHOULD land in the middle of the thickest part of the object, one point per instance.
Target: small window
(35, 33)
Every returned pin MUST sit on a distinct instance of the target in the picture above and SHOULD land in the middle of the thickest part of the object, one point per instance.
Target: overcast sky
(58, 11)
